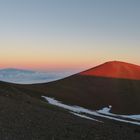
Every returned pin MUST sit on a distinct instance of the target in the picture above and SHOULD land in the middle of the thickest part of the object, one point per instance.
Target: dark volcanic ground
(24, 116)
(92, 92)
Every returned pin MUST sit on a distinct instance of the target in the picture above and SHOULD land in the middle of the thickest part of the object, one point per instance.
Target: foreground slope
(24, 116)
(112, 83)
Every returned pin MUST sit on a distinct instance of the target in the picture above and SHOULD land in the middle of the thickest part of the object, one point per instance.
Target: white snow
(134, 117)
(84, 116)
(107, 110)
(75, 109)
(104, 113)
(59, 104)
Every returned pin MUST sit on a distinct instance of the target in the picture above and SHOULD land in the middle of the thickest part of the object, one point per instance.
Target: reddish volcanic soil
(115, 69)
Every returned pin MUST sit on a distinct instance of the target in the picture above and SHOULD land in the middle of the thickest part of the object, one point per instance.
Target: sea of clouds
(30, 77)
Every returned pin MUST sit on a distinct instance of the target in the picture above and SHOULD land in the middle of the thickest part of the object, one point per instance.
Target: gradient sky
(68, 34)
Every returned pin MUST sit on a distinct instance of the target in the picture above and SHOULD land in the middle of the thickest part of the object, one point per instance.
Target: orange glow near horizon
(44, 66)
(53, 35)
(59, 55)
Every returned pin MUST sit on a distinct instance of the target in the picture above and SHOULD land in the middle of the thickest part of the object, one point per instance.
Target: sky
(68, 34)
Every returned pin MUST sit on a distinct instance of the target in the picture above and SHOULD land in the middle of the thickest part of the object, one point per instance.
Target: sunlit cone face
(115, 69)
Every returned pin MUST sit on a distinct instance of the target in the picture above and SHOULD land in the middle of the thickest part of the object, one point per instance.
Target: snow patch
(134, 117)
(75, 109)
(84, 116)
(104, 113)
(105, 110)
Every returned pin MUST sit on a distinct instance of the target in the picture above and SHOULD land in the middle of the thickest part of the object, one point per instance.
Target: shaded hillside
(95, 92)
